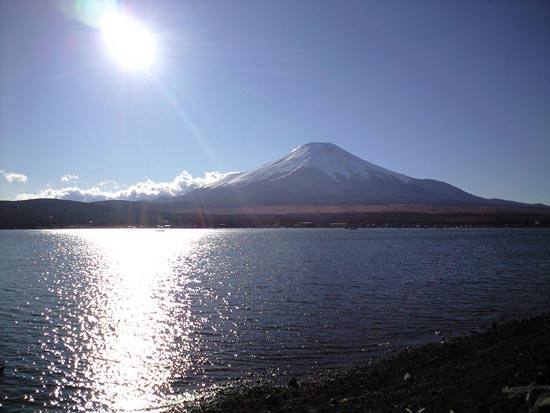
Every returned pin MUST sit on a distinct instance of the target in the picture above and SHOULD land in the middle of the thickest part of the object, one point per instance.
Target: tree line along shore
(50, 213)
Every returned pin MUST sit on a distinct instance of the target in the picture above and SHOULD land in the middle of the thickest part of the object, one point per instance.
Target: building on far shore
(339, 225)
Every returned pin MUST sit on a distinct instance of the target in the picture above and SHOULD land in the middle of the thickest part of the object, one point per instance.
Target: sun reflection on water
(136, 320)
(133, 315)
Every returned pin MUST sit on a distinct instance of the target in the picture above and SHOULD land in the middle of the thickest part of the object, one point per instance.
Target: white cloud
(112, 184)
(146, 190)
(14, 177)
(69, 178)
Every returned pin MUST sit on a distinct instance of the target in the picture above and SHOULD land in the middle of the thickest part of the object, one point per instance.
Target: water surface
(121, 320)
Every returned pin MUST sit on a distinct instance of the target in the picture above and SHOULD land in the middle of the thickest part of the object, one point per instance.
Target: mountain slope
(324, 174)
(316, 182)
(335, 162)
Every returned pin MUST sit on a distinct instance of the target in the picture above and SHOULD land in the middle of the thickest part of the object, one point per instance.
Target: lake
(121, 320)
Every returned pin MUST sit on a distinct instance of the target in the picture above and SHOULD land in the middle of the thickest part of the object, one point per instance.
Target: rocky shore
(504, 368)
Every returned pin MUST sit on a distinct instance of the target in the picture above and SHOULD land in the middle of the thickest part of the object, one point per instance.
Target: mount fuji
(318, 182)
(318, 174)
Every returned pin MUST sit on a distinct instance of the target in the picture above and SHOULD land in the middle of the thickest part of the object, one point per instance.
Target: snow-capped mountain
(335, 162)
(323, 174)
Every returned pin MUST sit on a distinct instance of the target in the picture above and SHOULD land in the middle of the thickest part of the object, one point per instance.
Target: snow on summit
(324, 174)
(332, 160)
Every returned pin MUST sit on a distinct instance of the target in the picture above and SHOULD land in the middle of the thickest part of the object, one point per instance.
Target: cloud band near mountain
(146, 190)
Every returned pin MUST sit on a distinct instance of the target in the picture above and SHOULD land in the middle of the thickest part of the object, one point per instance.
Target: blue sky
(457, 91)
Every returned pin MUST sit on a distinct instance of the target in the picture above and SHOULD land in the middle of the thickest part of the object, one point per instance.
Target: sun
(128, 42)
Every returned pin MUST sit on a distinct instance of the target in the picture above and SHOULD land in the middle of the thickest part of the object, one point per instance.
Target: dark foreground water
(126, 320)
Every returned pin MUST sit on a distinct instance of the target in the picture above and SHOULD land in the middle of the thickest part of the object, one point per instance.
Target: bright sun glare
(128, 42)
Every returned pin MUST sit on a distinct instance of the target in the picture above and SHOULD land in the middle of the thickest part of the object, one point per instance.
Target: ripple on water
(123, 320)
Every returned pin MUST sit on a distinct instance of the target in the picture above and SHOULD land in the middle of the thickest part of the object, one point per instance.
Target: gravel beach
(503, 368)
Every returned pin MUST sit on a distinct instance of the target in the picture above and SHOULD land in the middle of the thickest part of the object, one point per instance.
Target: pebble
(542, 405)
(271, 400)
(293, 382)
(407, 376)
(482, 408)
(542, 378)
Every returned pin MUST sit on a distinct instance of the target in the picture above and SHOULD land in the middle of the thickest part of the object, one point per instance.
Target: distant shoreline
(489, 371)
(55, 213)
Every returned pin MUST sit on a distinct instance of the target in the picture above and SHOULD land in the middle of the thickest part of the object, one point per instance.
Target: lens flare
(128, 42)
